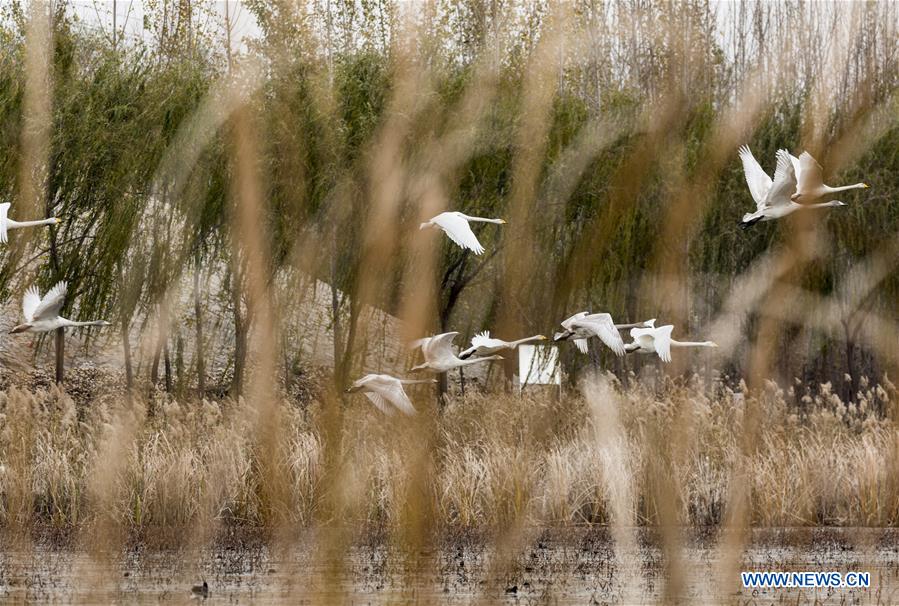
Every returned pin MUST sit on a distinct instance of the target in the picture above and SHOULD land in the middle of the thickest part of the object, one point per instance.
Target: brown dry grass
(498, 462)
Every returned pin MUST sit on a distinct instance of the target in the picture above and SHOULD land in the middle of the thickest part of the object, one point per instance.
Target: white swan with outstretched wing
(810, 180)
(583, 325)
(439, 356)
(773, 198)
(386, 392)
(483, 344)
(6, 223)
(456, 226)
(658, 340)
(42, 314)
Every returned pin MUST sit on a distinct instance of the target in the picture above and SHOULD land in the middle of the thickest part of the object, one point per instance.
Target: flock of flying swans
(797, 183)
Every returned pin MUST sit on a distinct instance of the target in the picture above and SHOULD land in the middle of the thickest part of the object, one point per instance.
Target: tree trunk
(198, 314)
(154, 368)
(126, 337)
(849, 387)
(126, 347)
(168, 368)
(510, 366)
(162, 338)
(179, 364)
(442, 388)
(60, 355)
(335, 321)
(240, 341)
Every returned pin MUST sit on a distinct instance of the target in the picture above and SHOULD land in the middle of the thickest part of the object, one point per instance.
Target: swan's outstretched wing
(757, 179)
(30, 302)
(412, 346)
(662, 342)
(385, 388)
(811, 176)
(603, 327)
(459, 231)
(391, 389)
(636, 333)
(582, 345)
(482, 339)
(566, 324)
(439, 346)
(797, 168)
(4, 211)
(784, 185)
(52, 302)
(378, 400)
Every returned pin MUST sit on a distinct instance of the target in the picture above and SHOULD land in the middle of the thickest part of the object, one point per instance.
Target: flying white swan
(810, 180)
(772, 198)
(384, 389)
(42, 315)
(483, 344)
(439, 356)
(7, 224)
(456, 226)
(583, 325)
(658, 340)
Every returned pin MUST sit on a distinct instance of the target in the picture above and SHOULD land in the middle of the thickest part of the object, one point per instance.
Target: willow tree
(114, 111)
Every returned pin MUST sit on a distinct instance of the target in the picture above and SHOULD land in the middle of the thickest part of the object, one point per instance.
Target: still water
(575, 567)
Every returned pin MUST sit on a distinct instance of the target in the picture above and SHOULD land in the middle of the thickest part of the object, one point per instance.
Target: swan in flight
(772, 198)
(42, 315)
(658, 340)
(7, 224)
(811, 180)
(384, 389)
(583, 325)
(456, 226)
(483, 344)
(439, 356)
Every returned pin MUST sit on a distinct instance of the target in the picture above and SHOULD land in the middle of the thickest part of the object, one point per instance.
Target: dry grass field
(487, 464)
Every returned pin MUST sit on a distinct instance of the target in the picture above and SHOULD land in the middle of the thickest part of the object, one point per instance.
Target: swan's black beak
(561, 336)
(20, 328)
(351, 389)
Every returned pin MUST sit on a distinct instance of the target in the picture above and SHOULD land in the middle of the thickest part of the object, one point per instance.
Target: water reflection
(571, 567)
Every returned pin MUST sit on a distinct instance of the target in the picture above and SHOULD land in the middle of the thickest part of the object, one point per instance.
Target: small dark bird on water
(200, 590)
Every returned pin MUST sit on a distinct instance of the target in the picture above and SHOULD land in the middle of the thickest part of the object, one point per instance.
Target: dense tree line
(605, 132)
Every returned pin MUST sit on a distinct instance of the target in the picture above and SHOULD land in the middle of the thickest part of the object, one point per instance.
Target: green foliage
(325, 99)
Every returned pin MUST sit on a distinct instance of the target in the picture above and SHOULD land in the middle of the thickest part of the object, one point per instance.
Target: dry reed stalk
(617, 481)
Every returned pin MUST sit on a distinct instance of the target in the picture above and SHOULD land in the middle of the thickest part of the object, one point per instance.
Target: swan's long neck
(90, 323)
(822, 204)
(514, 344)
(834, 190)
(416, 381)
(10, 224)
(476, 360)
(484, 220)
(693, 343)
